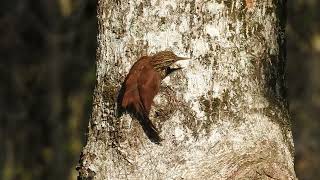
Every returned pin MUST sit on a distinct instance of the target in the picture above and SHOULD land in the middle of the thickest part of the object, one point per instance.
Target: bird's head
(164, 59)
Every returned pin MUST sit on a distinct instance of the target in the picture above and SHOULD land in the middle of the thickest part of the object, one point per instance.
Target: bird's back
(131, 92)
(141, 85)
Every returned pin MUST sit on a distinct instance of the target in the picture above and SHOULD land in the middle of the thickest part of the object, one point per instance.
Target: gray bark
(224, 116)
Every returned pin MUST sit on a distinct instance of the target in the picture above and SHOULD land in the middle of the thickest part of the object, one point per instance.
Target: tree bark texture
(224, 116)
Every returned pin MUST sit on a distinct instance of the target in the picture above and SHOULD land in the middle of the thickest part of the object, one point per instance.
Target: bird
(142, 84)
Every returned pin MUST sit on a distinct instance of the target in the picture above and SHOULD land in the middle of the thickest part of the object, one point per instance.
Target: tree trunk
(224, 116)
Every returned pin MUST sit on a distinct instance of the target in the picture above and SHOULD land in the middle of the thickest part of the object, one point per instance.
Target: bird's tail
(147, 125)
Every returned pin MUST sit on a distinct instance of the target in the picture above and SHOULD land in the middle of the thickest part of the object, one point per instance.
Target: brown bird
(142, 84)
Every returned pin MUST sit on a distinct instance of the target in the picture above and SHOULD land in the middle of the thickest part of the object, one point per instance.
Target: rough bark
(224, 116)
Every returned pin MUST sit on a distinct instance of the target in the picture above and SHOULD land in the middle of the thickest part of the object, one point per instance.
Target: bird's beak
(182, 58)
(178, 59)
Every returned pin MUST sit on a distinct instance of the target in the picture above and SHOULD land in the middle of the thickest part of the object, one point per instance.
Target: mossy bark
(224, 116)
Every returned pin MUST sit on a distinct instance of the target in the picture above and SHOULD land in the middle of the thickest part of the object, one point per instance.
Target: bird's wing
(148, 85)
(133, 100)
(131, 93)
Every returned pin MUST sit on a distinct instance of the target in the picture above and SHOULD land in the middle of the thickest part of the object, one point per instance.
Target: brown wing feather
(131, 93)
(148, 86)
(134, 101)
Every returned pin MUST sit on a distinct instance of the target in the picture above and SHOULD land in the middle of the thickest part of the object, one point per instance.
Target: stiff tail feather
(147, 125)
(131, 102)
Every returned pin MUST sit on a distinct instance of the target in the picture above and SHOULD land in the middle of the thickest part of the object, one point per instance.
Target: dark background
(47, 76)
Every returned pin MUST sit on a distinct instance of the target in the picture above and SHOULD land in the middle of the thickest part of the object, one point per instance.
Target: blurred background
(47, 76)
(303, 81)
